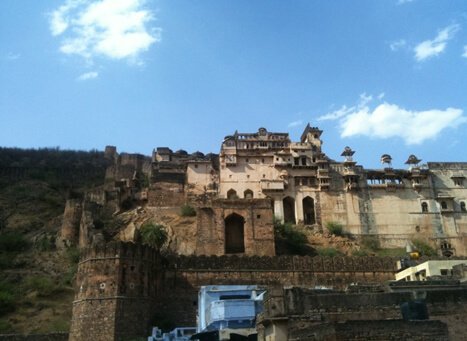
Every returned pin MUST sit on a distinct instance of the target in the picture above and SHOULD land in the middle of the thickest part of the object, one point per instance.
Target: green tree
(154, 235)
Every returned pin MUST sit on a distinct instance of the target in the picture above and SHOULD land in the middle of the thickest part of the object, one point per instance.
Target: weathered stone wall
(302, 309)
(34, 337)
(69, 231)
(183, 276)
(384, 330)
(166, 194)
(116, 287)
(258, 226)
(122, 289)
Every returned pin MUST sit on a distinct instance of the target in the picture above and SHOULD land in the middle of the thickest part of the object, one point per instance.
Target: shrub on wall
(295, 241)
(424, 248)
(329, 252)
(153, 235)
(187, 211)
(371, 243)
(335, 228)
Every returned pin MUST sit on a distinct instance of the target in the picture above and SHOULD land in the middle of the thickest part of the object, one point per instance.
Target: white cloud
(116, 29)
(465, 52)
(431, 48)
(12, 56)
(88, 75)
(295, 123)
(391, 121)
(397, 45)
(344, 110)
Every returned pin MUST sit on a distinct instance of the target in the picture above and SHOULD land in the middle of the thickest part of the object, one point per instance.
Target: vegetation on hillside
(290, 240)
(153, 235)
(335, 228)
(35, 279)
(187, 211)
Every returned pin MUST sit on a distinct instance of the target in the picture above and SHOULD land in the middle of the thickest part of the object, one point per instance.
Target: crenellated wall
(123, 288)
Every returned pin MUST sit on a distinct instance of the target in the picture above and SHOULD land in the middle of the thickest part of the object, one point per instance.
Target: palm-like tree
(153, 235)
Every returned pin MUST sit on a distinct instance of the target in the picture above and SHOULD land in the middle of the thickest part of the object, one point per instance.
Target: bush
(359, 253)
(371, 243)
(295, 240)
(187, 211)
(5, 327)
(13, 242)
(424, 248)
(7, 302)
(73, 255)
(334, 228)
(45, 243)
(43, 285)
(329, 252)
(154, 235)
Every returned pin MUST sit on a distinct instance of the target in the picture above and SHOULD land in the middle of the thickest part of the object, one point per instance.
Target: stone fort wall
(123, 289)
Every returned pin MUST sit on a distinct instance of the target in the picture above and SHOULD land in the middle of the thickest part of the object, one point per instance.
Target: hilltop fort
(258, 180)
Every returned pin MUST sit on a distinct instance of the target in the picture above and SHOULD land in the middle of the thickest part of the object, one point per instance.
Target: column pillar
(279, 209)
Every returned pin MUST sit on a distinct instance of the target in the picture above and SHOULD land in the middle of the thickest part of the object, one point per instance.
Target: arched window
(248, 194)
(463, 206)
(444, 206)
(424, 207)
(232, 194)
(234, 234)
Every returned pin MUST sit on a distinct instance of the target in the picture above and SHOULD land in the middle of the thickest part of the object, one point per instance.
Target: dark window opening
(463, 209)
(424, 207)
(234, 234)
(444, 205)
(289, 210)
(234, 297)
(309, 211)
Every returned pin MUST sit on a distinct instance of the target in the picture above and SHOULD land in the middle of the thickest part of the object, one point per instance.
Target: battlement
(283, 263)
(121, 250)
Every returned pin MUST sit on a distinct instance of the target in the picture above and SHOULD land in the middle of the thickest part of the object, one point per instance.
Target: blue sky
(385, 76)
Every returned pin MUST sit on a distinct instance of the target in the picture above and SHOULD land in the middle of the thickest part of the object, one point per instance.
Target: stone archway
(309, 211)
(234, 234)
(289, 210)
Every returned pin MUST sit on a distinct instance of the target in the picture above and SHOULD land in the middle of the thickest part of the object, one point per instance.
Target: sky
(383, 77)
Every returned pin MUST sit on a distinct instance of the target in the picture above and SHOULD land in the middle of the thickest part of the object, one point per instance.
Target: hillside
(36, 279)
